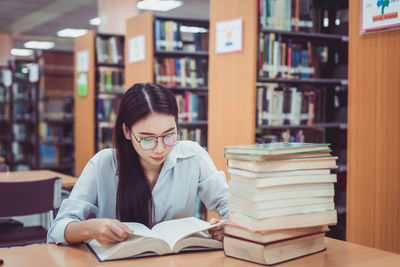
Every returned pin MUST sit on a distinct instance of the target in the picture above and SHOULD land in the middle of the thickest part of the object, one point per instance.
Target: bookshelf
(373, 181)
(95, 111)
(5, 107)
(56, 119)
(24, 115)
(258, 80)
(177, 60)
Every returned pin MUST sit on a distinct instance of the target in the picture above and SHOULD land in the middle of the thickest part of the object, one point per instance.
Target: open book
(164, 238)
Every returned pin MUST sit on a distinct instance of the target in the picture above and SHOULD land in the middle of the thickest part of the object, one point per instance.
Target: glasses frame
(178, 138)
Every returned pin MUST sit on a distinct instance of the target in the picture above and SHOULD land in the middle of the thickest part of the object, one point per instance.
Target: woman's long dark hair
(134, 198)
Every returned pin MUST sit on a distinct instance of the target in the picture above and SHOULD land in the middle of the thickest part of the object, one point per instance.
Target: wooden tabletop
(67, 180)
(338, 253)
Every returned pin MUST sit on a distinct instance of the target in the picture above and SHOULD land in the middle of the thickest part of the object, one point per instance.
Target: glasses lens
(147, 143)
(170, 139)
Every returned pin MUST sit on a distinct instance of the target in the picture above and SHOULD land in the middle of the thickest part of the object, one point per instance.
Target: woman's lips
(158, 158)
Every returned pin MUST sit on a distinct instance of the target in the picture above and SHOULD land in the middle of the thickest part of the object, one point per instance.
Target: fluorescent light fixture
(21, 52)
(158, 5)
(192, 29)
(68, 32)
(39, 45)
(95, 21)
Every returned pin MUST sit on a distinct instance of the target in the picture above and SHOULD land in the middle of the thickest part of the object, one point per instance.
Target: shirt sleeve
(81, 204)
(213, 188)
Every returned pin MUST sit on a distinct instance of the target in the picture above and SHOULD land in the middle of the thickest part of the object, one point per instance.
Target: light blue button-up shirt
(187, 172)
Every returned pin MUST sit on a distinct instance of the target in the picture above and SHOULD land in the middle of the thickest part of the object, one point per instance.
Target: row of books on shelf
(21, 131)
(279, 105)
(107, 109)
(169, 37)
(184, 72)
(194, 134)
(53, 156)
(3, 94)
(22, 152)
(4, 112)
(55, 133)
(287, 135)
(281, 200)
(23, 92)
(287, 59)
(109, 49)
(22, 111)
(191, 106)
(287, 15)
(110, 80)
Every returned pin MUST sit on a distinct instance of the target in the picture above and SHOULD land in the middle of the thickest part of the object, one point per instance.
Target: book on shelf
(284, 57)
(277, 148)
(273, 252)
(285, 164)
(109, 49)
(280, 105)
(287, 15)
(184, 72)
(166, 237)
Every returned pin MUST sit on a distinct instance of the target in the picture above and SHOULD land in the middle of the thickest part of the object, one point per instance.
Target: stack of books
(281, 200)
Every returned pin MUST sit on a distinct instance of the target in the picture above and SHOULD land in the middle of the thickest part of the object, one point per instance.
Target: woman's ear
(126, 131)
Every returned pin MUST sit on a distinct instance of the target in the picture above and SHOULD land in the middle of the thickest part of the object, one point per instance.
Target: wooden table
(67, 180)
(338, 253)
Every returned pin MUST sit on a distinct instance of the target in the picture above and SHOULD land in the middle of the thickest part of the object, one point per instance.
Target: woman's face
(154, 125)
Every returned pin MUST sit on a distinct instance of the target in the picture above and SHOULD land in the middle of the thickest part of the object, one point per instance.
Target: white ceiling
(41, 19)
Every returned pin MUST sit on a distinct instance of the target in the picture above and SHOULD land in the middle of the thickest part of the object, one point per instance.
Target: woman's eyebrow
(146, 133)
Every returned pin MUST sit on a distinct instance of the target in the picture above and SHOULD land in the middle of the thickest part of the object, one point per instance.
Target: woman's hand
(105, 231)
(217, 232)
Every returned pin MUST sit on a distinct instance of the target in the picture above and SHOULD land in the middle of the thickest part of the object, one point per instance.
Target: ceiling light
(95, 21)
(39, 45)
(192, 29)
(158, 5)
(71, 32)
(21, 52)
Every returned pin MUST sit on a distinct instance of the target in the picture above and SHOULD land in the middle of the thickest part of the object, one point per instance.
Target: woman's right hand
(105, 231)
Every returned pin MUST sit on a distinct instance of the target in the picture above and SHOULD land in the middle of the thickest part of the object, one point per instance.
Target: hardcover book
(167, 237)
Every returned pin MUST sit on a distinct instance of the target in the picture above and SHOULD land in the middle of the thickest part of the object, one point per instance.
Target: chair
(27, 198)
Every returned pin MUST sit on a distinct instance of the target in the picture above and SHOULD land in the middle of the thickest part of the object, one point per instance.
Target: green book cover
(279, 148)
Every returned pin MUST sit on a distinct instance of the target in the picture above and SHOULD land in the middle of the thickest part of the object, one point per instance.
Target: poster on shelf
(82, 83)
(229, 36)
(82, 61)
(379, 15)
(137, 49)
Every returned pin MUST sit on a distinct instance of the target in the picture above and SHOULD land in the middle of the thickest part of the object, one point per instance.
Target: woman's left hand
(217, 232)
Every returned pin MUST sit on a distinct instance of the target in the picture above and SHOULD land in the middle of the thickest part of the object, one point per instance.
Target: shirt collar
(177, 152)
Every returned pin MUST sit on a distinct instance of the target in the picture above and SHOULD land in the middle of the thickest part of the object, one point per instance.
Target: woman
(149, 177)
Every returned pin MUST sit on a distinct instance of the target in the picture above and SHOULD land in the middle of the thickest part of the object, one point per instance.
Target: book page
(174, 230)
(142, 230)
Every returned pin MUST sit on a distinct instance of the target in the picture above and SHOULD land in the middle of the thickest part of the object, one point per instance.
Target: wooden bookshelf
(56, 117)
(373, 184)
(234, 79)
(23, 116)
(84, 106)
(144, 71)
(105, 88)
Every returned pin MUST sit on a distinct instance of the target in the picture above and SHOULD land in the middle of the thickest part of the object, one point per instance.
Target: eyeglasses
(149, 143)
